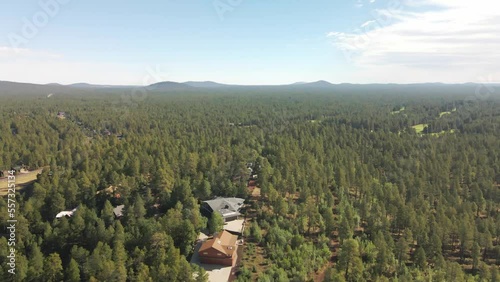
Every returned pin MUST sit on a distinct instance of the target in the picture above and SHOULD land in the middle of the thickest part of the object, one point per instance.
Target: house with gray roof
(118, 211)
(229, 208)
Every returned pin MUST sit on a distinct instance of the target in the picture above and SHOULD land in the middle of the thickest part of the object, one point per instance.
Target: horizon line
(227, 84)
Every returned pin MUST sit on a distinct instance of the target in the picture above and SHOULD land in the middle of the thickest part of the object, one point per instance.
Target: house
(66, 213)
(118, 211)
(61, 115)
(235, 227)
(20, 169)
(219, 250)
(229, 208)
(252, 184)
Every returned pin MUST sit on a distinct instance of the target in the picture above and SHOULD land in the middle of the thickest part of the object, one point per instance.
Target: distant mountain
(88, 85)
(20, 88)
(205, 84)
(83, 84)
(319, 83)
(169, 85)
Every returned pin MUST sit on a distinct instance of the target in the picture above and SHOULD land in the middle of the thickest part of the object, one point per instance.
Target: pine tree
(53, 268)
(215, 223)
(72, 272)
(350, 260)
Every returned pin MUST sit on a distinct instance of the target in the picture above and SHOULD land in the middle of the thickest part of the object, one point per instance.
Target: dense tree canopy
(349, 189)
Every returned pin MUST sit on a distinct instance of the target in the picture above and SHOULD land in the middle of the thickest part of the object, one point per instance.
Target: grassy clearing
(444, 113)
(397, 112)
(22, 180)
(437, 134)
(447, 113)
(419, 128)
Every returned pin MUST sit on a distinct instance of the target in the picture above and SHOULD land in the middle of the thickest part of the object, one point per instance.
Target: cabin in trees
(118, 211)
(66, 213)
(20, 169)
(229, 208)
(252, 184)
(61, 115)
(219, 250)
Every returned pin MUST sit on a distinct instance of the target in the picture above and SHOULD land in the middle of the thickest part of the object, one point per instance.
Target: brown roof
(224, 242)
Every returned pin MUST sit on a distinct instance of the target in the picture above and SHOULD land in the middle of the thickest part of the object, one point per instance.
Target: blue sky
(249, 41)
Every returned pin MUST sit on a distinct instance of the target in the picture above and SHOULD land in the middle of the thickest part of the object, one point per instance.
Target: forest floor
(22, 180)
(253, 254)
(256, 192)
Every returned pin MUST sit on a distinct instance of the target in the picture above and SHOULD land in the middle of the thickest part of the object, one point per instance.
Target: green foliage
(255, 232)
(215, 223)
(53, 268)
(350, 260)
(403, 204)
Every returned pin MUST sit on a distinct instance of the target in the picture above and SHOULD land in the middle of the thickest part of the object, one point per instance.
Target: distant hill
(88, 85)
(320, 83)
(20, 88)
(169, 85)
(30, 89)
(205, 84)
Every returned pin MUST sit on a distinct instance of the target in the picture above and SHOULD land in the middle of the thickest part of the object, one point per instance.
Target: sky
(249, 41)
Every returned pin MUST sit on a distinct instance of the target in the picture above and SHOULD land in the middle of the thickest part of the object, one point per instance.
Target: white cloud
(360, 4)
(367, 23)
(457, 40)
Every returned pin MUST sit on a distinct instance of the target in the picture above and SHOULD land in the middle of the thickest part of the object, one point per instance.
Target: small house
(220, 250)
(61, 115)
(66, 213)
(118, 211)
(229, 208)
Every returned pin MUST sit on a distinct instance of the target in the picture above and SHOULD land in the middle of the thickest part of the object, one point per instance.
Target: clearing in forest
(397, 112)
(447, 113)
(419, 128)
(22, 180)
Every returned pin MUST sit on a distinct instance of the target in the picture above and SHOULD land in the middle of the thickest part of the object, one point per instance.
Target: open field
(400, 110)
(447, 113)
(437, 134)
(419, 128)
(22, 180)
(444, 113)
